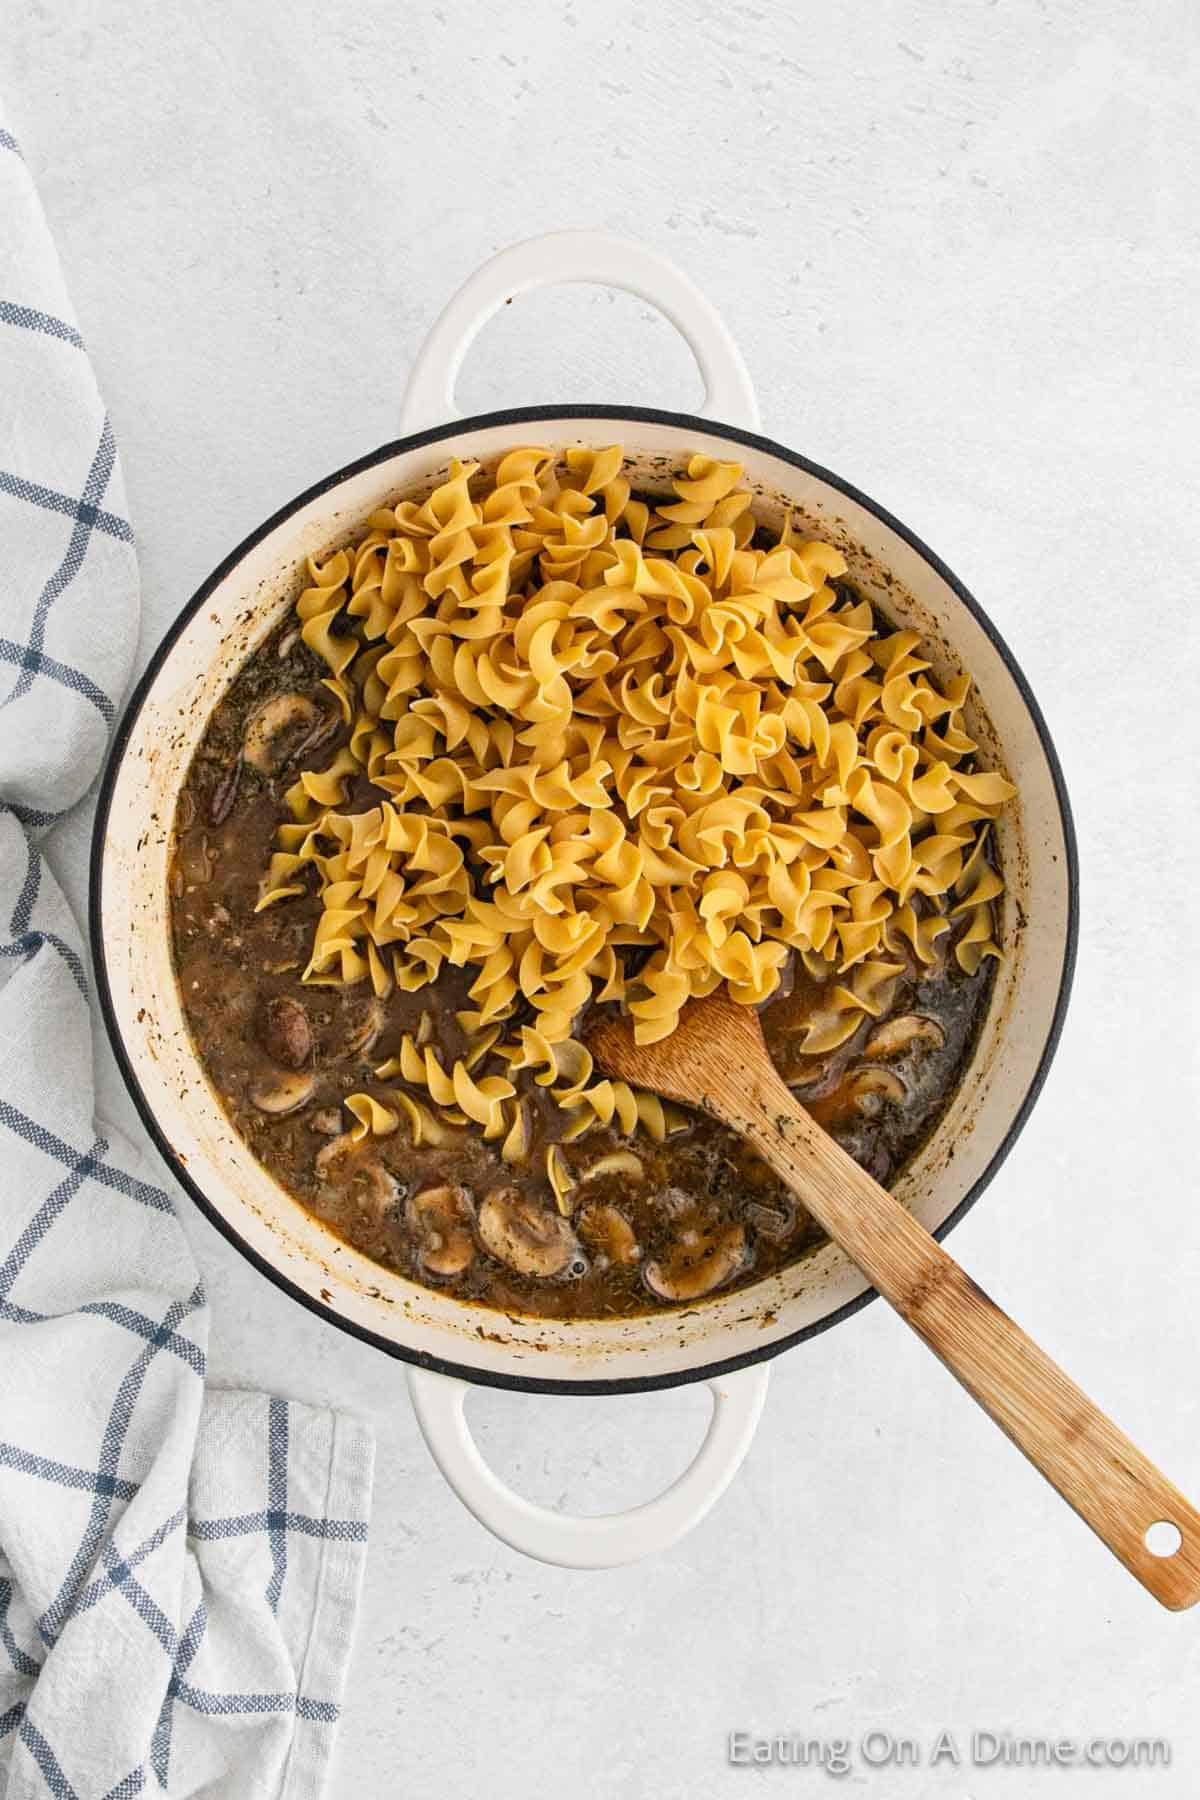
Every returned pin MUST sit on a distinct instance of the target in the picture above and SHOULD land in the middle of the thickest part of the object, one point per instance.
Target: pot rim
(684, 423)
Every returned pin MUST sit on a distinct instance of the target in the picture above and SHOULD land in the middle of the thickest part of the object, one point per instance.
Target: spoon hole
(1162, 1538)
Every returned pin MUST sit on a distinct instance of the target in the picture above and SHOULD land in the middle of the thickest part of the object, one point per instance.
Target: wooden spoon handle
(1093, 1465)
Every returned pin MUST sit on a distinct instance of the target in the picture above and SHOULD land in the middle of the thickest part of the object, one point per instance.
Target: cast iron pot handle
(607, 1541)
(568, 256)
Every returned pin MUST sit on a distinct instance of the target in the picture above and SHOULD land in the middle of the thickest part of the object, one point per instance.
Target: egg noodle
(627, 756)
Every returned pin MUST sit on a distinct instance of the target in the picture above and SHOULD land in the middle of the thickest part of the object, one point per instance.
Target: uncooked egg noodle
(629, 755)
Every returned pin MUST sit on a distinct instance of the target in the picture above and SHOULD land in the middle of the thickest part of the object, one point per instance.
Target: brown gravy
(258, 1027)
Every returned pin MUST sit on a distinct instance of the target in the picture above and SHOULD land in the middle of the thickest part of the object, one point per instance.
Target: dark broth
(233, 963)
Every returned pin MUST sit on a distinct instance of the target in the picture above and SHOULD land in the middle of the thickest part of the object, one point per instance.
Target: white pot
(728, 1340)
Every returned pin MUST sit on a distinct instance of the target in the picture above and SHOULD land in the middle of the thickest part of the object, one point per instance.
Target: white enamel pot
(727, 1341)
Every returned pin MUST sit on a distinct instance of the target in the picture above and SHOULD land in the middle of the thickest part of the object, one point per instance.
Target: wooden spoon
(716, 1059)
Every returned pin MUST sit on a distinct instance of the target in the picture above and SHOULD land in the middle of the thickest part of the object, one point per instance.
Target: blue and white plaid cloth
(179, 1567)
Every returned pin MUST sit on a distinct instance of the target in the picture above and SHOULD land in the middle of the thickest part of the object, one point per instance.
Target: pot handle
(571, 256)
(611, 1539)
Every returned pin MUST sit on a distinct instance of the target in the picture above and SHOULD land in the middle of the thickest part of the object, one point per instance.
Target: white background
(958, 244)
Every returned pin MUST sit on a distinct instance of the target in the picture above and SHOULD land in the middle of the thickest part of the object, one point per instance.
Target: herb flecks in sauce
(640, 1226)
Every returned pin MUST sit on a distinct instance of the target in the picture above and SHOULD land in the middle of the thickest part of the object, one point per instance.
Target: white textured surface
(959, 247)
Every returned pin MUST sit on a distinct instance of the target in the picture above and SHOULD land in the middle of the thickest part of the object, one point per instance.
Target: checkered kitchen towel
(179, 1567)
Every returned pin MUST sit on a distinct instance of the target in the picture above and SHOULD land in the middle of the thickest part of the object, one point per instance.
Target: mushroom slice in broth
(278, 729)
(697, 1263)
(356, 1032)
(281, 1093)
(899, 1036)
(609, 1235)
(350, 1168)
(527, 1238)
(442, 1221)
(284, 1031)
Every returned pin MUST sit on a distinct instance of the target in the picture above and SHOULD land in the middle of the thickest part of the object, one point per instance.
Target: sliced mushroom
(277, 729)
(354, 1170)
(805, 1083)
(697, 1263)
(328, 1121)
(441, 1218)
(862, 1094)
(529, 1238)
(363, 1024)
(610, 1235)
(896, 1037)
(282, 1093)
(330, 1156)
(284, 1031)
(884, 1084)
